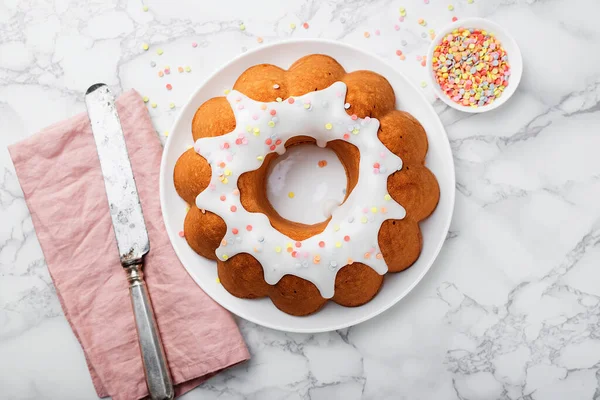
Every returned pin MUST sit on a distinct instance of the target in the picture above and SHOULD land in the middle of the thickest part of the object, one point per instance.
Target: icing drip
(263, 128)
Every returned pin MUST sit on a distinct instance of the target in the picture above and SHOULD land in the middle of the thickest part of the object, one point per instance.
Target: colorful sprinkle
(298, 244)
(146, 99)
(328, 126)
(166, 133)
(338, 244)
(217, 280)
(377, 32)
(450, 7)
(291, 195)
(423, 84)
(322, 163)
(346, 238)
(235, 231)
(278, 249)
(305, 25)
(454, 19)
(387, 197)
(180, 69)
(181, 234)
(249, 228)
(145, 46)
(316, 259)
(422, 22)
(321, 244)
(153, 105)
(194, 44)
(188, 68)
(471, 67)
(367, 35)
(145, 8)
(259, 39)
(169, 86)
(242, 27)
(292, 26)
(224, 257)
(275, 86)
(159, 52)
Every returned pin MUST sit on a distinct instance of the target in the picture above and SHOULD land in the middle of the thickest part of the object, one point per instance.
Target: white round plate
(512, 51)
(332, 316)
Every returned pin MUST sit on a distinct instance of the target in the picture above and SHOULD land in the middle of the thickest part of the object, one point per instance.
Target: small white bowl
(512, 51)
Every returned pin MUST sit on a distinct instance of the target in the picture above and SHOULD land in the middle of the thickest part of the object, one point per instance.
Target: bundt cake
(299, 266)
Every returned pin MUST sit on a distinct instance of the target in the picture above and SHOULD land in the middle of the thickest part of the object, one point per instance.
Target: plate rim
(446, 223)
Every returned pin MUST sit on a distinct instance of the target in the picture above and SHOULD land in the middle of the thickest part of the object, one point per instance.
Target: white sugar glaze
(263, 128)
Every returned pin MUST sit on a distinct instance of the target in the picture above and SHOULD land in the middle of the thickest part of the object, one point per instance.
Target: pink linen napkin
(60, 175)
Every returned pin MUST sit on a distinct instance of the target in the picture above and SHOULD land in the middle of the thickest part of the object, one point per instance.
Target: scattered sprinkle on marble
(242, 27)
(367, 35)
(423, 84)
(402, 11)
(194, 44)
(188, 68)
(259, 39)
(153, 105)
(377, 32)
(169, 86)
(422, 22)
(180, 69)
(470, 1)
(305, 25)
(292, 26)
(145, 8)
(145, 98)
(454, 19)
(161, 74)
(450, 7)
(397, 27)
(145, 46)
(159, 52)
(426, 1)
(171, 105)
(168, 70)
(291, 195)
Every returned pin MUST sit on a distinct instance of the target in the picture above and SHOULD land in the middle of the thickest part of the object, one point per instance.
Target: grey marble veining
(510, 309)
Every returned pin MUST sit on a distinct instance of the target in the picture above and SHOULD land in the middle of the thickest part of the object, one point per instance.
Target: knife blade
(121, 191)
(130, 232)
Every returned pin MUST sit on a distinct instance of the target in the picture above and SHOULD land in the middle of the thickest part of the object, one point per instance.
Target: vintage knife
(130, 231)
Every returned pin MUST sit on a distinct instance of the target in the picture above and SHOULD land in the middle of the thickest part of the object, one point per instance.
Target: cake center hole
(306, 183)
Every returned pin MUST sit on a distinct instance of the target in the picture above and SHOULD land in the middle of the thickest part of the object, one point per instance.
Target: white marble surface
(510, 309)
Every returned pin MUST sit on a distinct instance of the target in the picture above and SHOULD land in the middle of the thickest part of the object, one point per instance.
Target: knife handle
(160, 386)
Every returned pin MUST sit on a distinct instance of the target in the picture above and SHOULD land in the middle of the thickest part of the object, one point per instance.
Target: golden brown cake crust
(414, 186)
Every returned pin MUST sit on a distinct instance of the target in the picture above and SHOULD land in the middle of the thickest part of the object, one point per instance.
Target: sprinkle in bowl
(474, 65)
